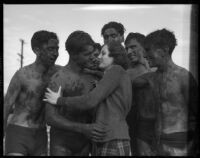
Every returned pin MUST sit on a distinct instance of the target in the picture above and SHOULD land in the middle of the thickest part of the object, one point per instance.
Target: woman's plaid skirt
(112, 148)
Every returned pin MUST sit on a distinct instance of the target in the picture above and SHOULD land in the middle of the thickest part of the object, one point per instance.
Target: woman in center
(112, 98)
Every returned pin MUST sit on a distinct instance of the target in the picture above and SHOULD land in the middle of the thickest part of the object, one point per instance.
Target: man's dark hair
(97, 46)
(137, 36)
(118, 52)
(77, 41)
(161, 39)
(42, 37)
(117, 26)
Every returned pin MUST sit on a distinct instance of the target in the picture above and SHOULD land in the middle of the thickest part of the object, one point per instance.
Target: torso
(74, 84)
(143, 97)
(29, 107)
(172, 105)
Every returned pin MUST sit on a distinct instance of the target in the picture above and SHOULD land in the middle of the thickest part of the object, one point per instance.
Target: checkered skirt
(112, 148)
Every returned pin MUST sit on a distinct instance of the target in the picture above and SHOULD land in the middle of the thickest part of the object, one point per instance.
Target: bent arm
(190, 93)
(52, 116)
(58, 121)
(104, 88)
(11, 95)
(140, 81)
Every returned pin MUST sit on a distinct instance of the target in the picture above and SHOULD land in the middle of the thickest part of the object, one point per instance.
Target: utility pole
(22, 53)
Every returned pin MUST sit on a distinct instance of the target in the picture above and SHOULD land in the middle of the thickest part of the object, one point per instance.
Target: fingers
(49, 90)
(47, 95)
(59, 90)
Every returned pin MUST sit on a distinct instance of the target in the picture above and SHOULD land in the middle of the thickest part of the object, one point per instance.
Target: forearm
(139, 83)
(81, 102)
(104, 88)
(58, 121)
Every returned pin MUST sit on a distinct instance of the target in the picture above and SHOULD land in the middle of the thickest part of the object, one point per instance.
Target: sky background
(21, 21)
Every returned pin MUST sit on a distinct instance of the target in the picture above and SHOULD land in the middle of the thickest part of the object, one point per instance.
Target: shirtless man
(26, 134)
(141, 118)
(69, 128)
(176, 95)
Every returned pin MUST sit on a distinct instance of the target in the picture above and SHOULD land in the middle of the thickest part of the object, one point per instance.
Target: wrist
(60, 101)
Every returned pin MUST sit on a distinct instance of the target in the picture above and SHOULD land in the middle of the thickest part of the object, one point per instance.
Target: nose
(55, 53)
(99, 56)
(129, 50)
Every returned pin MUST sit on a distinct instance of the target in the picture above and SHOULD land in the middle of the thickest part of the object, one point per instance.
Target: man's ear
(166, 50)
(36, 51)
(162, 52)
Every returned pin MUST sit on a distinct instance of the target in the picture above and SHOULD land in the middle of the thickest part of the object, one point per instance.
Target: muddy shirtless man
(69, 128)
(141, 118)
(26, 134)
(176, 96)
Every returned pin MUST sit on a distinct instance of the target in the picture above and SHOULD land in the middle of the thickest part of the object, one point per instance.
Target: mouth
(52, 59)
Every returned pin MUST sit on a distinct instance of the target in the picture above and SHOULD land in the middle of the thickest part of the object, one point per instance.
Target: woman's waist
(117, 129)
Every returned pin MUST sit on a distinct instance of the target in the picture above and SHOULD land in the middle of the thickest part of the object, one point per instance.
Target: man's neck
(40, 67)
(74, 66)
(137, 66)
(166, 66)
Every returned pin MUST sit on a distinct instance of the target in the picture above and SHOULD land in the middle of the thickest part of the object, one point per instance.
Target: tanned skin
(176, 95)
(27, 89)
(143, 101)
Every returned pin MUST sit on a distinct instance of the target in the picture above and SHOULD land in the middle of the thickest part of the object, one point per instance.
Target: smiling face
(111, 34)
(105, 60)
(134, 51)
(49, 52)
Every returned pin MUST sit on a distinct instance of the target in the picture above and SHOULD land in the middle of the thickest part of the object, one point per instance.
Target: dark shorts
(27, 141)
(112, 148)
(146, 131)
(66, 143)
(174, 144)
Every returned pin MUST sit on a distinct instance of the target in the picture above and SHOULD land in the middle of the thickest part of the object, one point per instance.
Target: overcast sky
(21, 21)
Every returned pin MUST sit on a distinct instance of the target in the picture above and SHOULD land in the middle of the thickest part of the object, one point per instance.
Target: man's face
(49, 52)
(134, 51)
(111, 34)
(154, 56)
(87, 58)
(94, 60)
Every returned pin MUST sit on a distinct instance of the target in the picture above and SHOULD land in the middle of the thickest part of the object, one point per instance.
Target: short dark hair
(118, 52)
(97, 46)
(42, 37)
(137, 36)
(161, 39)
(77, 41)
(117, 26)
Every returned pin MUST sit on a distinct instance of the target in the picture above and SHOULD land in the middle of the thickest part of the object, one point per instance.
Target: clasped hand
(52, 97)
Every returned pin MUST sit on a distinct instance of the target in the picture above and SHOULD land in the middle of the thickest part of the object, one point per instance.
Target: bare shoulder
(25, 72)
(62, 77)
(117, 68)
(185, 77)
(182, 73)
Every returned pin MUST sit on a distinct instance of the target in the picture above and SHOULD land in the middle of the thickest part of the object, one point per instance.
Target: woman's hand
(52, 97)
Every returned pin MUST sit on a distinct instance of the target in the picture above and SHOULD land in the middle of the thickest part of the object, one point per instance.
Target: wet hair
(118, 52)
(161, 39)
(42, 37)
(77, 41)
(97, 46)
(137, 36)
(117, 26)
